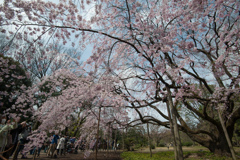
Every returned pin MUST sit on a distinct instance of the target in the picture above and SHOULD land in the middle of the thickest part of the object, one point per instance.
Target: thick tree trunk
(226, 135)
(217, 143)
(212, 135)
(219, 147)
(175, 126)
(172, 131)
(216, 146)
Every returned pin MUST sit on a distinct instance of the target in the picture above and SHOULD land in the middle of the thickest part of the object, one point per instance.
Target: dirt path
(102, 155)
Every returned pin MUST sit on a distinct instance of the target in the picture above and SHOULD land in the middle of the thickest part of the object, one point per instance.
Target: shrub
(152, 146)
(161, 145)
(187, 144)
(137, 146)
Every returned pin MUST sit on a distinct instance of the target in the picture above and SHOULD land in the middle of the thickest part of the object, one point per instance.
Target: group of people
(13, 136)
(57, 146)
(60, 145)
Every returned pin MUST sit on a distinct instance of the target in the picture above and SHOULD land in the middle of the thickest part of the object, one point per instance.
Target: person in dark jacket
(22, 140)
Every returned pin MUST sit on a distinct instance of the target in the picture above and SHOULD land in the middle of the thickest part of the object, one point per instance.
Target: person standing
(72, 140)
(6, 138)
(53, 145)
(22, 140)
(46, 145)
(61, 144)
(3, 135)
(15, 138)
(65, 145)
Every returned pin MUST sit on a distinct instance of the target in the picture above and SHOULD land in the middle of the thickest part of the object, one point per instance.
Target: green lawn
(165, 155)
(189, 154)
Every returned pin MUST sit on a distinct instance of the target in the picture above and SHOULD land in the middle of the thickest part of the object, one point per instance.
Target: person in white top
(60, 146)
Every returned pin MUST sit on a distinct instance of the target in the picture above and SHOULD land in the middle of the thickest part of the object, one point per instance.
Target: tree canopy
(13, 82)
(147, 56)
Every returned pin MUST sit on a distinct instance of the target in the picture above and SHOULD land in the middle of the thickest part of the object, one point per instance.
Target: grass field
(162, 153)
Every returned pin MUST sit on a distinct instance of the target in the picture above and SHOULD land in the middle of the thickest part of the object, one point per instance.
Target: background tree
(136, 137)
(13, 82)
(40, 58)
